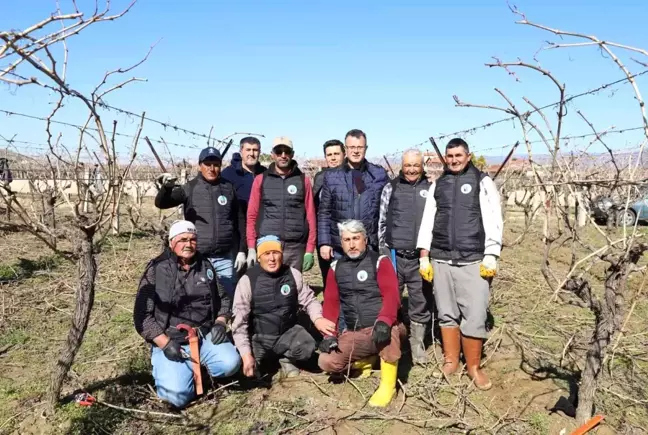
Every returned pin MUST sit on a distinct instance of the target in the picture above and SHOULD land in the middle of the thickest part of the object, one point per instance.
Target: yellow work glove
(488, 266)
(425, 269)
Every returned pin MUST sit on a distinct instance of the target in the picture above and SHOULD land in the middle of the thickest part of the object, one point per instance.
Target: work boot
(288, 369)
(472, 349)
(451, 340)
(387, 388)
(417, 344)
(364, 366)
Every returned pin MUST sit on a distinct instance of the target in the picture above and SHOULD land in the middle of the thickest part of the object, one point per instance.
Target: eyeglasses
(356, 148)
(211, 163)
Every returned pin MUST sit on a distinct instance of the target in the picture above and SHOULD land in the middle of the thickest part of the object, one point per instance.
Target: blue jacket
(340, 201)
(241, 179)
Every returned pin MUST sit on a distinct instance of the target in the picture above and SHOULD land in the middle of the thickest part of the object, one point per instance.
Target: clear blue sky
(313, 70)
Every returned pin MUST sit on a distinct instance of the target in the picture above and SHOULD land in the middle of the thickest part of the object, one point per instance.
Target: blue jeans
(224, 267)
(174, 380)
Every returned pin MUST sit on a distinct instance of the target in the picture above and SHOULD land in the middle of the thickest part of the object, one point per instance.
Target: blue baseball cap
(209, 153)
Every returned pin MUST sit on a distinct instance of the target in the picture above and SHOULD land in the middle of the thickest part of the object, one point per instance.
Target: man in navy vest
(180, 287)
(362, 289)
(281, 204)
(401, 211)
(461, 232)
(210, 202)
(266, 302)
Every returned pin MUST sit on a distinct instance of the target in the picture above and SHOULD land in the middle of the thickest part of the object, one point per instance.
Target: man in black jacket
(334, 155)
(180, 287)
(210, 202)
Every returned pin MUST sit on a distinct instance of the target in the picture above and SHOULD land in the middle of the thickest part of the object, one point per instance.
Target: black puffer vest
(405, 212)
(210, 208)
(360, 298)
(274, 301)
(282, 211)
(192, 304)
(458, 233)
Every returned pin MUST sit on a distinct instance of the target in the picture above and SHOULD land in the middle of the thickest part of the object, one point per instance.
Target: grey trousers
(461, 296)
(293, 254)
(419, 291)
(296, 344)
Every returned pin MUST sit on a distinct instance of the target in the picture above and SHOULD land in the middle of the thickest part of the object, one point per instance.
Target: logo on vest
(362, 276)
(222, 200)
(285, 290)
(466, 188)
(292, 189)
(423, 193)
(210, 275)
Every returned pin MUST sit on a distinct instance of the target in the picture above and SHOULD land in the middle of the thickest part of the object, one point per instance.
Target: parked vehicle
(604, 207)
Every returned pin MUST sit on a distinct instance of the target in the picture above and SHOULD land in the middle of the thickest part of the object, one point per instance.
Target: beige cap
(282, 140)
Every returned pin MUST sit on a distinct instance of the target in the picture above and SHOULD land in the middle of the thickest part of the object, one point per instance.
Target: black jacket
(214, 209)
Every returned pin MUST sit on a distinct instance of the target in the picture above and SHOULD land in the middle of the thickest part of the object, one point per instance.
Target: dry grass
(533, 358)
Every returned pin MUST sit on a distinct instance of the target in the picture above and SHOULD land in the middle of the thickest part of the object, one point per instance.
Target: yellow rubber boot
(387, 388)
(364, 366)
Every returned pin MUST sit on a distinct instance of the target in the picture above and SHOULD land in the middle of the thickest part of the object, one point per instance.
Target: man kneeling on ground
(363, 284)
(266, 301)
(180, 287)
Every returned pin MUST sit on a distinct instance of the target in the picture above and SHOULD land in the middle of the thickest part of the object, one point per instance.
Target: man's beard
(354, 255)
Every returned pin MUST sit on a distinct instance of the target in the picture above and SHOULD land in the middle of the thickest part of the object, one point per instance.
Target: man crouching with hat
(180, 287)
(266, 301)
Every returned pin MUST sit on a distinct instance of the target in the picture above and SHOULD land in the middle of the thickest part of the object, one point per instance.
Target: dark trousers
(296, 344)
(419, 291)
(293, 254)
(324, 266)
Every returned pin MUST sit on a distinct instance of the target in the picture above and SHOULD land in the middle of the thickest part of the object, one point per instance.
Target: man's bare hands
(326, 252)
(325, 326)
(249, 364)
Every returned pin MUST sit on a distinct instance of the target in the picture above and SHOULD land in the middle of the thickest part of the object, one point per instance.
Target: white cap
(179, 227)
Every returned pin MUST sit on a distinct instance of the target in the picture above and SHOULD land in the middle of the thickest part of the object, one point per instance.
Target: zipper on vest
(283, 209)
(454, 210)
(415, 187)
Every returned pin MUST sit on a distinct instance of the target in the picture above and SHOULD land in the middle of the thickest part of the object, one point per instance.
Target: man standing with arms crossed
(401, 210)
(351, 191)
(281, 204)
(461, 232)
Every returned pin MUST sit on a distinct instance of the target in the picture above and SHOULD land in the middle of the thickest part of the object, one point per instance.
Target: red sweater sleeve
(388, 284)
(310, 216)
(253, 211)
(331, 308)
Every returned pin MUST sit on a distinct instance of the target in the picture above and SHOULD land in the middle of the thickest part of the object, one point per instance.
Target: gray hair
(415, 152)
(352, 226)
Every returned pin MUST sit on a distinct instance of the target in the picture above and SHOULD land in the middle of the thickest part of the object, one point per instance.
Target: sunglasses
(282, 150)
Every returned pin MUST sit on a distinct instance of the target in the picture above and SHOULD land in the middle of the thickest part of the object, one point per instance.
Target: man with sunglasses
(180, 287)
(281, 204)
(210, 202)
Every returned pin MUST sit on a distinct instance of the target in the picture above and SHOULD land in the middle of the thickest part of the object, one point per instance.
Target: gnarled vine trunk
(84, 299)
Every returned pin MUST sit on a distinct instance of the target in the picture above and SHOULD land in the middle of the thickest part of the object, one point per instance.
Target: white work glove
(488, 266)
(240, 261)
(251, 257)
(165, 180)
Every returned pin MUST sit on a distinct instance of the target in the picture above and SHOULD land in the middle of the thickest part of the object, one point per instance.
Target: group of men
(236, 262)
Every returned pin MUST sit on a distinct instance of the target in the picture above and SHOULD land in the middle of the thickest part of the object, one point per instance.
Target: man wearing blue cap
(210, 203)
